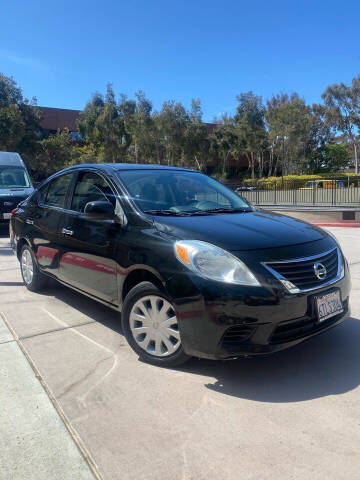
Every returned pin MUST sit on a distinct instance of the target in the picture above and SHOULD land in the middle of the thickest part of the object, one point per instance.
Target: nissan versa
(194, 269)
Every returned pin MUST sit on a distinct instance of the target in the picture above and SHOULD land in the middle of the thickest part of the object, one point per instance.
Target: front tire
(151, 327)
(33, 279)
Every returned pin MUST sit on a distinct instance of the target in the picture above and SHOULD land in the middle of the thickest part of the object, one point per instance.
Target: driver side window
(91, 187)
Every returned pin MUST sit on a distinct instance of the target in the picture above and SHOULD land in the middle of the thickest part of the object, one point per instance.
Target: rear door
(89, 245)
(42, 223)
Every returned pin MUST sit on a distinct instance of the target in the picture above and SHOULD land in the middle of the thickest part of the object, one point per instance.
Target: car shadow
(327, 364)
(89, 307)
(5, 248)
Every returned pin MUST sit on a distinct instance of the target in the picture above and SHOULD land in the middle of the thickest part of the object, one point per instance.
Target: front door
(89, 245)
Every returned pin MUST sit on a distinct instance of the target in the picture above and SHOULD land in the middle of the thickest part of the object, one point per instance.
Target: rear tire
(150, 326)
(33, 279)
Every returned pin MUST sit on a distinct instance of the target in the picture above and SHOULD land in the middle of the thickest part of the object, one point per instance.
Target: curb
(338, 224)
(73, 433)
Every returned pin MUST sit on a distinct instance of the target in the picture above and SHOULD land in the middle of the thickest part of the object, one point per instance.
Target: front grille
(8, 205)
(237, 334)
(301, 273)
(302, 327)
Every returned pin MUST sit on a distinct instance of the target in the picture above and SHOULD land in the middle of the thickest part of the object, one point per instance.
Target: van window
(13, 177)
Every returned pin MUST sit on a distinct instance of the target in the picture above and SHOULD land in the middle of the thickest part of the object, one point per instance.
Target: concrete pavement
(292, 415)
(34, 442)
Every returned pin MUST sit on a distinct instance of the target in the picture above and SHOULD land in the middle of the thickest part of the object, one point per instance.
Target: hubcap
(154, 326)
(27, 266)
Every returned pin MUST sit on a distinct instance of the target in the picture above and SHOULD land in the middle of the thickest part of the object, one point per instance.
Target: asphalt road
(294, 415)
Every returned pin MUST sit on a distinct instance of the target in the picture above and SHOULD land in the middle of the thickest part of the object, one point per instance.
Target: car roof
(111, 167)
(10, 159)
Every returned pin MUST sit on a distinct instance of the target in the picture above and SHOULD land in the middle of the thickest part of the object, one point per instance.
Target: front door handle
(65, 231)
(29, 222)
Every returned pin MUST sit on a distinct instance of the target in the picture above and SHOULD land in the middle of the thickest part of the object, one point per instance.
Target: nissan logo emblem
(320, 270)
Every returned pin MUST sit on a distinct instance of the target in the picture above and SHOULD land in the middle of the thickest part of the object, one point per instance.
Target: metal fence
(317, 193)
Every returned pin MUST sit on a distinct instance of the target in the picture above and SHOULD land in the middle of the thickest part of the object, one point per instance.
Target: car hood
(14, 195)
(242, 231)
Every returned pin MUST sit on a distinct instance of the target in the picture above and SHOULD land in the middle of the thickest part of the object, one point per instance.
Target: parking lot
(292, 415)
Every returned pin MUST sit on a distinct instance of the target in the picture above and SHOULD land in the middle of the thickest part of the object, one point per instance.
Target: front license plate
(6, 216)
(329, 305)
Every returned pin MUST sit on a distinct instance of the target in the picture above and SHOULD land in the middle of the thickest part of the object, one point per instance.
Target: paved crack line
(7, 341)
(54, 330)
(113, 355)
(74, 435)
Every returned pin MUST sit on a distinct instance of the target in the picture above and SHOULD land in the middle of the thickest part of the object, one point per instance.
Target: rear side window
(56, 191)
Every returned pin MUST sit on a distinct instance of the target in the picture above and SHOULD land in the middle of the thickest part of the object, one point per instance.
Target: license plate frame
(328, 305)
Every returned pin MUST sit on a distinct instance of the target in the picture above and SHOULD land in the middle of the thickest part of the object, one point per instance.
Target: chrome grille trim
(292, 288)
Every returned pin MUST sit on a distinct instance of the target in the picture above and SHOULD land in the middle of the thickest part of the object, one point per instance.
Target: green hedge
(289, 182)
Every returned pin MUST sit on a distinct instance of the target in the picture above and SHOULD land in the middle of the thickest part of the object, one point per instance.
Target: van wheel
(33, 279)
(151, 327)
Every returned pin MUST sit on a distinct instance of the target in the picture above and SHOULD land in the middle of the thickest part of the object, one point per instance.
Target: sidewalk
(34, 442)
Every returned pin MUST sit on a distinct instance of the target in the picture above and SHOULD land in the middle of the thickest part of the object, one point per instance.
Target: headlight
(213, 262)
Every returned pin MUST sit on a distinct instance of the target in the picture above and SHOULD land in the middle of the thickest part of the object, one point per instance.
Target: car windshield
(167, 192)
(310, 184)
(13, 177)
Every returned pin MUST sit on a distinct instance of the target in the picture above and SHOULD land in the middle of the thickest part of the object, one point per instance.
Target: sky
(63, 52)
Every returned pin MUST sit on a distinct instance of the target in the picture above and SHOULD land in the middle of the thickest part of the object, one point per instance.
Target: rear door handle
(29, 222)
(65, 231)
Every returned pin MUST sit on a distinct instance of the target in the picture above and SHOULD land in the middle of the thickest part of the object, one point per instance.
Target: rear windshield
(13, 177)
(169, 192)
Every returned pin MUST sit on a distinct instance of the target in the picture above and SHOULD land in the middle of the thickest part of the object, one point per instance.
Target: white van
(15, 183)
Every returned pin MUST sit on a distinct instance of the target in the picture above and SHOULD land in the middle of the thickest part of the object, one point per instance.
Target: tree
(330, 158)
(250, 129)
(224, 142)
(19, 119)
(102, 123)
(196, 138)
(343, 110)
(289, 122)
(171, 122)
(54, 153)
(144, 146)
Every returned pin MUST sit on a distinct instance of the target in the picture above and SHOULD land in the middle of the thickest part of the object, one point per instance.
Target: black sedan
(192, 267)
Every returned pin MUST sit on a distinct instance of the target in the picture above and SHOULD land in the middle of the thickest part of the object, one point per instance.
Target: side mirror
(100, 209)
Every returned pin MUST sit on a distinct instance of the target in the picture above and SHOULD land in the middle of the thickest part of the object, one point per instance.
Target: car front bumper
(223, 321)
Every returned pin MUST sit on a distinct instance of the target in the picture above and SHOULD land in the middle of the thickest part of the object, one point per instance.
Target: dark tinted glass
(56, 191)
(178, 191)
(91, 187)
(41, 194)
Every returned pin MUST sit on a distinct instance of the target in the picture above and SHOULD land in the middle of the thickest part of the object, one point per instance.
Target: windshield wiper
(174, 213)
(170, 213)
(222, 210)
